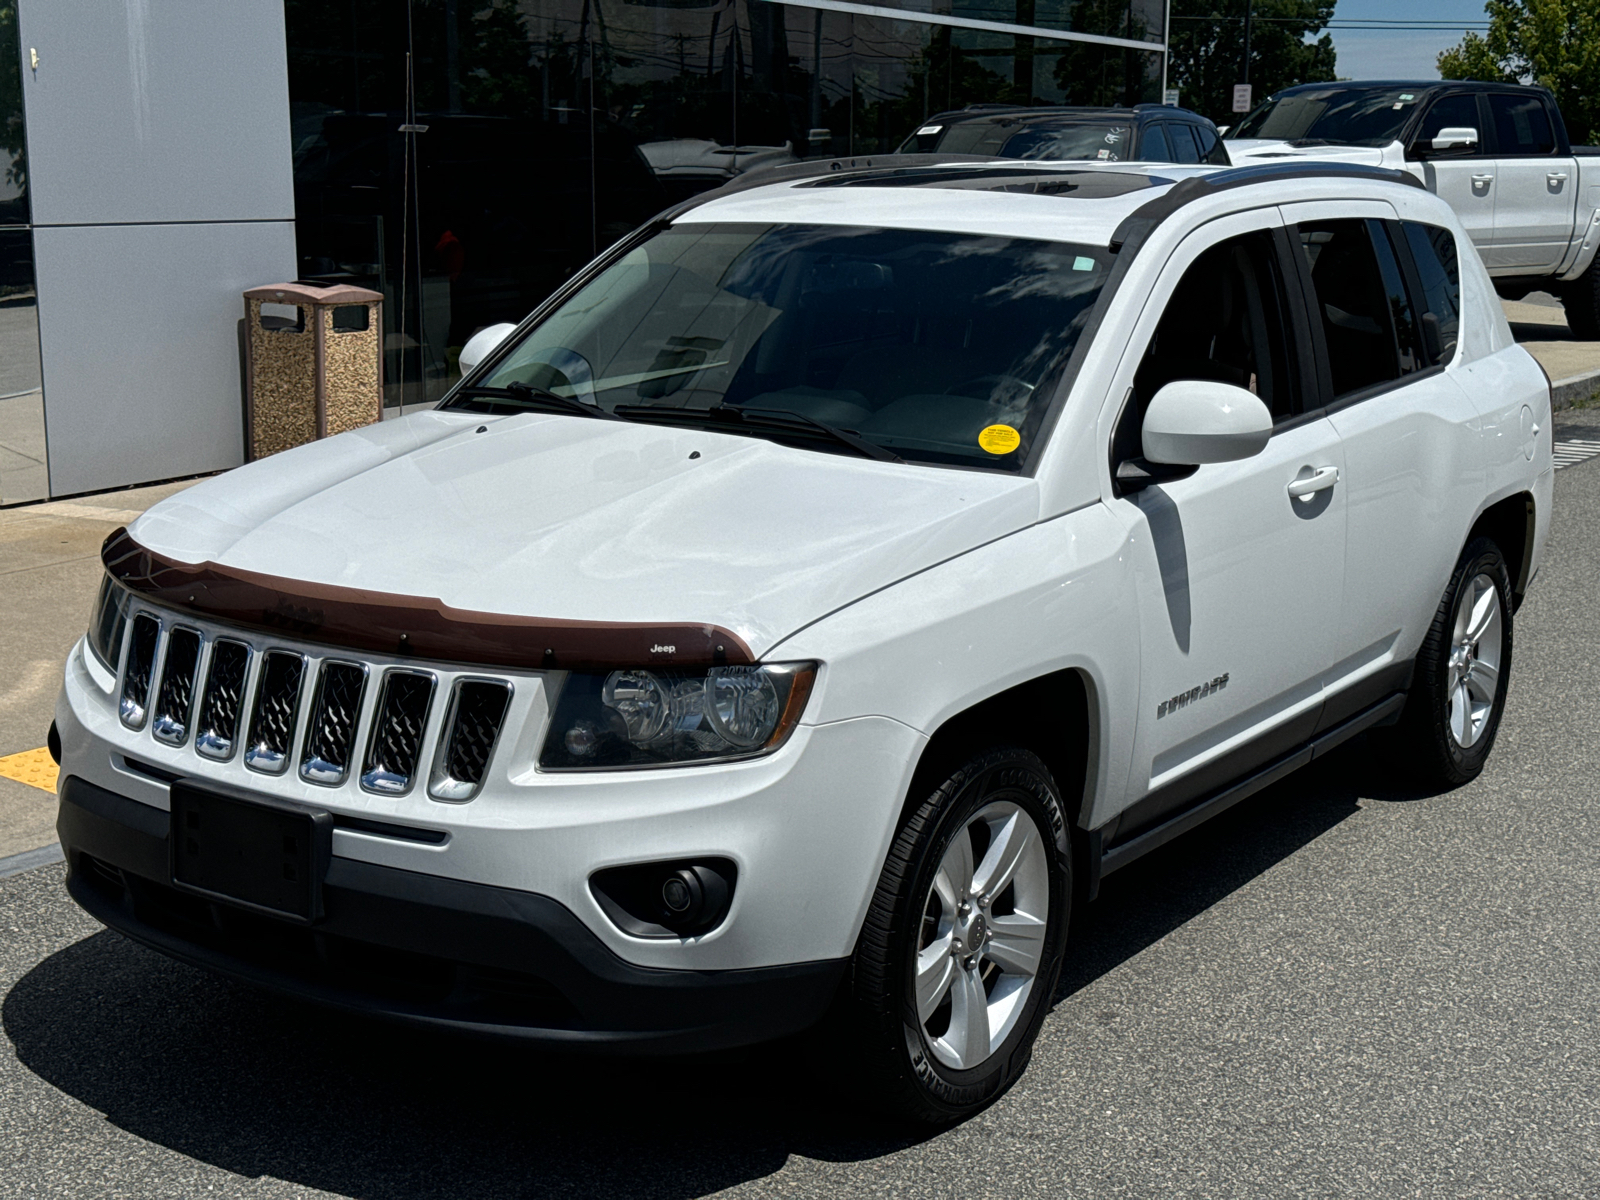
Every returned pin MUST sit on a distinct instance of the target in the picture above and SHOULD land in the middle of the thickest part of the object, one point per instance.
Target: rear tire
(958, 960)
(1458, 693)
(1581, 299)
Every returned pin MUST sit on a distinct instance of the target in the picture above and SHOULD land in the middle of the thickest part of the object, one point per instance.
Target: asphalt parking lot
(1338, 988)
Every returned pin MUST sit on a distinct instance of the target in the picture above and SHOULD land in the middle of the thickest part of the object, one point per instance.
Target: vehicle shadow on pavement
(260, 1086)
(1156, 894)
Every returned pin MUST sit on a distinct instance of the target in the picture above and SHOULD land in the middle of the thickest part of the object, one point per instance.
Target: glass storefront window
(544, 130)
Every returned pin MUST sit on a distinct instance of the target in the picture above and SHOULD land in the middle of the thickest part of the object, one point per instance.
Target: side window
(1153, 147)
(1407, 336)
(1450, 112)
(1226, 321)
(1521, 125)
(1433, 252)
(1184, 149)
(1210, 146)
(1353, 302)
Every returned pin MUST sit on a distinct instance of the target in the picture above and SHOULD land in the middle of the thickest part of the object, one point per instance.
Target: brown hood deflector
(410, 626)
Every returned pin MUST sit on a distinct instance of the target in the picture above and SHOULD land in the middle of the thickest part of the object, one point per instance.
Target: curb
(1574, 390)
(15, 864)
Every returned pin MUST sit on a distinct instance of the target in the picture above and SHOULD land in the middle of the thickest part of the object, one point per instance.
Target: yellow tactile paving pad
(33, 767)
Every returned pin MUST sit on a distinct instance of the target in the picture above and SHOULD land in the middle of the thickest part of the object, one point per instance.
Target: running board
(1106, 861)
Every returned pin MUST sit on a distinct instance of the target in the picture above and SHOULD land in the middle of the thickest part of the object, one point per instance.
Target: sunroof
(1085, 185)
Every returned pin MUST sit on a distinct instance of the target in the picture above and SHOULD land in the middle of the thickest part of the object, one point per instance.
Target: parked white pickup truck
(1498, 153)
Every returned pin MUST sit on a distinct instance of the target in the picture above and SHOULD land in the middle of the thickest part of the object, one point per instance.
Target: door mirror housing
(480, 344)
(1195, 421)
(1454, 139)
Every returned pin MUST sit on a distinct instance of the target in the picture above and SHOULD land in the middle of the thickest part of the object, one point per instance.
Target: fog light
(677, 894)
(666, 899)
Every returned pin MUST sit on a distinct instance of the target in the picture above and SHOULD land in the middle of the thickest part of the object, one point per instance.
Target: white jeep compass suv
(806, 607)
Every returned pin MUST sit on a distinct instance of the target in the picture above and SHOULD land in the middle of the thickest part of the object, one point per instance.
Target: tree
(1207, 50)
(1555, 43)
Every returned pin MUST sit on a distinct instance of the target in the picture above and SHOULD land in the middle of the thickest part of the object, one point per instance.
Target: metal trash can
(314, 373)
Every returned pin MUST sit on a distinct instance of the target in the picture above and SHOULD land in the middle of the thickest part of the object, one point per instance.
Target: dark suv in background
(1143, 133)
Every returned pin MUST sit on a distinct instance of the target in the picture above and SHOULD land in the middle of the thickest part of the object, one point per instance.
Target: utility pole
(1244, 74)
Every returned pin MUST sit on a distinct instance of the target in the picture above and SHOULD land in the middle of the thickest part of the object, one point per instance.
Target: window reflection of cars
(1143, 133)
(692, 165)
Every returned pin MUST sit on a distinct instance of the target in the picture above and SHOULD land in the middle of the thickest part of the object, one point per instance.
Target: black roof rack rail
(1137, 225)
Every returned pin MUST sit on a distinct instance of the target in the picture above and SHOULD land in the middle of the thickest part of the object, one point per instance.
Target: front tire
(962, 947)
(1459, 690)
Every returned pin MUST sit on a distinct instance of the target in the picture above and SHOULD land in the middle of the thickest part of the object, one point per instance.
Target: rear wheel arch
(1509, 523)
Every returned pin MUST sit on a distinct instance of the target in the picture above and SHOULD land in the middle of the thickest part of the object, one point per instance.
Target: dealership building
(462, 157)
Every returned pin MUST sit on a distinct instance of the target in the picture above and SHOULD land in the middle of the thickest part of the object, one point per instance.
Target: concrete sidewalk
(49, 568)
(1573, 366)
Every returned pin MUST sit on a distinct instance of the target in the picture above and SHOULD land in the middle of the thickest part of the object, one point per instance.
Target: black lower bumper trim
(427, 949)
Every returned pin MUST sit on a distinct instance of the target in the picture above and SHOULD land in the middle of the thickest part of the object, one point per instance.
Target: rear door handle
(1557, 177)
(1319, 480)
(1483, 179)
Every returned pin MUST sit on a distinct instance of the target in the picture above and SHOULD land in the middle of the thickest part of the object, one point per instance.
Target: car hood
(1243, 151)
(577, 519)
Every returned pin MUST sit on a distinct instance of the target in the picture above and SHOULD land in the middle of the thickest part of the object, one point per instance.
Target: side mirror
(1195, 421)
(1457, 139)
(480, 344)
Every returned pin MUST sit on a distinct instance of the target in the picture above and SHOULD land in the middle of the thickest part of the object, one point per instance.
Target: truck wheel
(1581, 299)
(958, 960)
(1459, 689)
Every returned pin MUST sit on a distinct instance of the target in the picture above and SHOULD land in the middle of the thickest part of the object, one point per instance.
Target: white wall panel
(138, 333)
(156, 110)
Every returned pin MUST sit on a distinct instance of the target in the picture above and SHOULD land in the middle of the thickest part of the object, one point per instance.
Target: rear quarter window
(1433, 251)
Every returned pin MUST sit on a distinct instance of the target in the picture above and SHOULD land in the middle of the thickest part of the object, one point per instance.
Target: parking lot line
(33, 767)
(1576, 451)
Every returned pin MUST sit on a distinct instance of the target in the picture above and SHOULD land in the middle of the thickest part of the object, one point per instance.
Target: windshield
(1344, 115)
(1098, 141)
(938, 347)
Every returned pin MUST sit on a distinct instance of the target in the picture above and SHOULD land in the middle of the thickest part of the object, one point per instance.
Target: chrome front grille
(477, 711)
(396, 740)
(331, 733)
(359, 724)
(218, 729)
(134, 705)
(277, 705)
(175, 697)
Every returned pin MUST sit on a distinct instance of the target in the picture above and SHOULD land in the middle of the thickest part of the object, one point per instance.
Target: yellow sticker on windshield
(999, 439)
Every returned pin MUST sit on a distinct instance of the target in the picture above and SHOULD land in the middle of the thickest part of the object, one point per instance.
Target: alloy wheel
(983, 935)
(1473, 679)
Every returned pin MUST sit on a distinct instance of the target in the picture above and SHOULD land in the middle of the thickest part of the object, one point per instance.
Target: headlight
(649, 718)
(106, 623)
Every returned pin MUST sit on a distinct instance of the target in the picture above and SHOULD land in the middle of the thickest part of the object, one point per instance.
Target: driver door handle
(1483, 179)
(1319, 480)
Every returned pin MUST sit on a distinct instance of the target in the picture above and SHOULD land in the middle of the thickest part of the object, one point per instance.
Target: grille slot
(397, 727)
(477, 711)
(175, 697)
(331, 732)
(272, 719)
(220, 707)
(134, 706)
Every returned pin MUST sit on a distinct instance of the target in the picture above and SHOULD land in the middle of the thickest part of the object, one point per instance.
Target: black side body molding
(1105, 859)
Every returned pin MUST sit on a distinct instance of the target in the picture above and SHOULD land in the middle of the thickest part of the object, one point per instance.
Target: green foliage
(16, 170)
(1208, 49)
(1555, 43)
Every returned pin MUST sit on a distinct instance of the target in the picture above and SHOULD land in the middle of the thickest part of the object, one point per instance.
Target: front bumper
(428, 949)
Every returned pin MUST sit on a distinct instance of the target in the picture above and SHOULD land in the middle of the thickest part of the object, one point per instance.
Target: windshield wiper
(533, 397)
(774, 419)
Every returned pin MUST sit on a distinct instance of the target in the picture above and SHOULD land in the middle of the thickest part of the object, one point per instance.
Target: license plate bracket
(257, 853)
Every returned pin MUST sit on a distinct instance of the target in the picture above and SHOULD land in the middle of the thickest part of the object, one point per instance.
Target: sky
(1391, 53)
